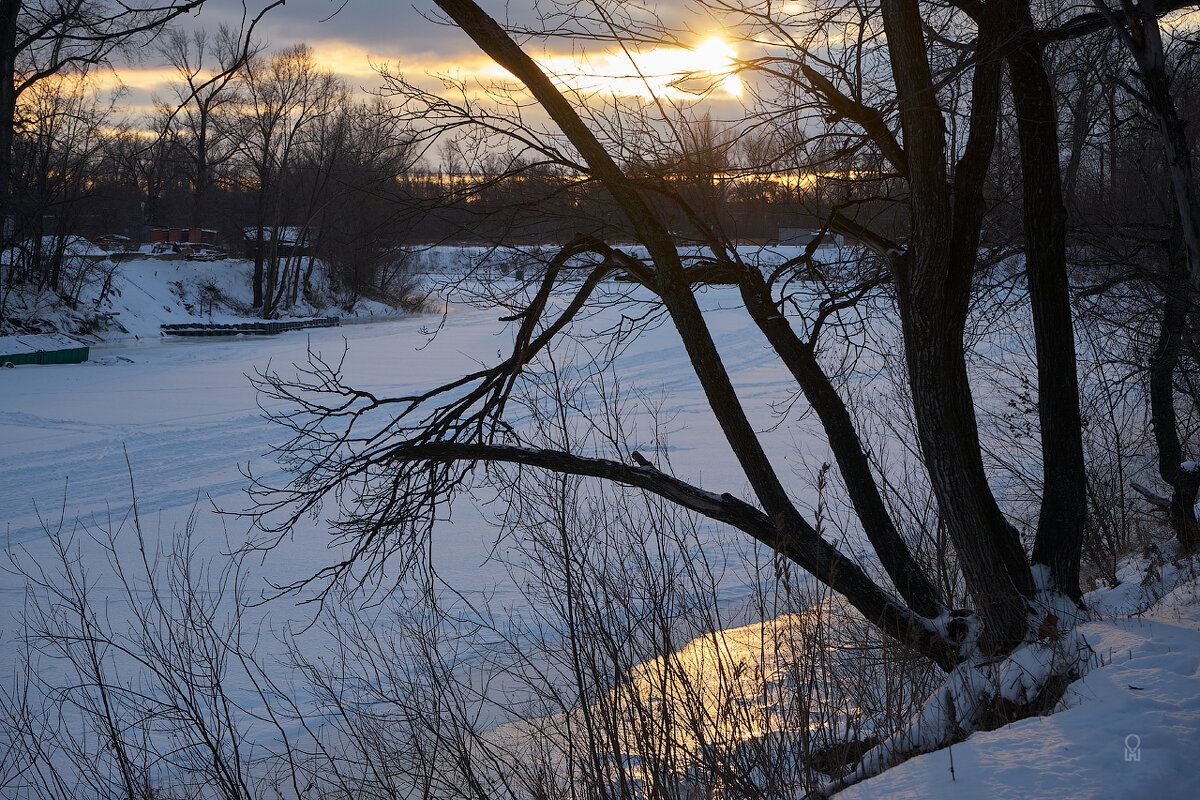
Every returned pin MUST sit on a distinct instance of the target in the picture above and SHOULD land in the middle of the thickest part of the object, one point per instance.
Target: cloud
(366, 34)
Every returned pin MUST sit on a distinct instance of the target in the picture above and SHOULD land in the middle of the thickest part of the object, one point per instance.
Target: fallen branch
(1151, 496)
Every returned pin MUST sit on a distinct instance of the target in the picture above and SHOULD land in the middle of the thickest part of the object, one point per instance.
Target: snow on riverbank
(129, 295)
(1126, 730)
(185, 414)
(132, 297)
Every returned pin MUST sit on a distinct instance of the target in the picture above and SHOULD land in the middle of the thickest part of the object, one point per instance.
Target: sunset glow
(349, 60)
(672, 72)
(707, 69)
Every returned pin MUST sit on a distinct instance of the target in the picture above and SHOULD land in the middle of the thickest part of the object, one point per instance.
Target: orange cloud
(706, 70)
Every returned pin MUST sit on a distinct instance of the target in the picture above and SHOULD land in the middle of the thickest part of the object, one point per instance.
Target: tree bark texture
(933, 280)
(9, 9)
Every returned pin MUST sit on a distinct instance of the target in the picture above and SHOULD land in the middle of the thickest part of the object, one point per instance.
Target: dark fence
(264, 328)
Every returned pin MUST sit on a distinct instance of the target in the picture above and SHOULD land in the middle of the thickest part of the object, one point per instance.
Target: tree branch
(1095, 21)
(822, 560)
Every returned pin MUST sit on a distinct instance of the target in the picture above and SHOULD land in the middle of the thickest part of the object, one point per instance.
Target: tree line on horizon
(251, 142)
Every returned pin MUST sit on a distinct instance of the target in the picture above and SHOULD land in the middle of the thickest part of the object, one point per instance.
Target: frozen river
(181, 417)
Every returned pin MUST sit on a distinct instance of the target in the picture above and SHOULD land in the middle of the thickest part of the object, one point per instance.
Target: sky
(355, 37)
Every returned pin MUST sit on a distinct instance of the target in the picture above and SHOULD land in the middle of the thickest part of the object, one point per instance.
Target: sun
(718, 58)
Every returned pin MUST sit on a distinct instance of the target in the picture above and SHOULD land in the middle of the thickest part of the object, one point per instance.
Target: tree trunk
(201, 179)
(8, 111)
(1059, 540)
(1184, 483)
(1081, 119)
(792, 536)
(933, 280)
(259, 233)
(1183, 275)
(934, 283)
(906, 574)
(989, 551)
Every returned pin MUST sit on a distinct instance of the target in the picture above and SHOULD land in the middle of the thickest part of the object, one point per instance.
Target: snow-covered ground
(129, 295)
(1128, 729)
(180, 418)
(184, 415)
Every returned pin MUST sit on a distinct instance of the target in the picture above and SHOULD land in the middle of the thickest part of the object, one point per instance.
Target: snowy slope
(1129, 729)
(144, 292)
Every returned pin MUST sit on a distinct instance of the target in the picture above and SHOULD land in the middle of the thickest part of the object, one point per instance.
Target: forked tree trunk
(990, 555)
(791, 535)
(933, 280)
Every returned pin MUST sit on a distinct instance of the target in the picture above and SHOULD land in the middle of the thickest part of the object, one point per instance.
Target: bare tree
(286, 95)
(1138, 29)
(43, 39)
(148, 164)
(209, 69)
(59, 150)
(888, 93)
(363, 218)
(148, 704)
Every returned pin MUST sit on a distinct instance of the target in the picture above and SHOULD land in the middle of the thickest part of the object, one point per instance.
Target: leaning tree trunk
(894, 555)
(789, 533)
(933, 277)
